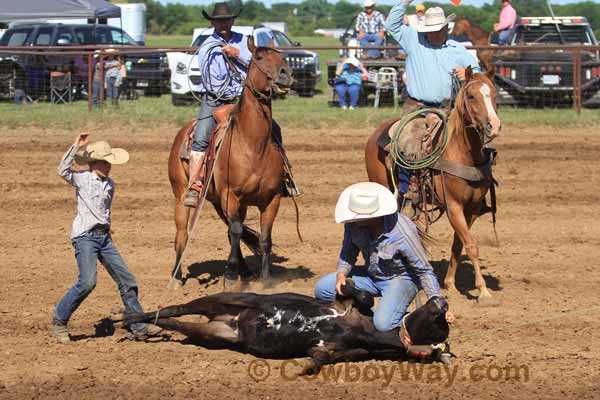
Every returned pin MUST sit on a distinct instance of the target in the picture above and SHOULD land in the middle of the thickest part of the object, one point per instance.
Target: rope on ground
(396, 153)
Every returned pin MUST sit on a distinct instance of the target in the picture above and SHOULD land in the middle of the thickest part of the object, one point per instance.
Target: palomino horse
(472, 123)
(247, 172)
(478, 36)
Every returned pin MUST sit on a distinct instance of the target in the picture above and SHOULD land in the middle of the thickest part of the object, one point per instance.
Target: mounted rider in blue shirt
(220, 86)
(431, 61)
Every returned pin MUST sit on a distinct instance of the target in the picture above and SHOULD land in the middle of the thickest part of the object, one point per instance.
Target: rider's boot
(196, 179)
(290, 188)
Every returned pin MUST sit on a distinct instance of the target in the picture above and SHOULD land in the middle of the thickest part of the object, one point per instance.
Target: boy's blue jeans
(89, 249)
(396, 295)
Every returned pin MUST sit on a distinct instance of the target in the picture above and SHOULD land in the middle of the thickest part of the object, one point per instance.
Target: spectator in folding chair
(349, 76)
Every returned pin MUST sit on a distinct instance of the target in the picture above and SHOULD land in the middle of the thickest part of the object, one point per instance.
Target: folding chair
(386, 79)
(60, 87)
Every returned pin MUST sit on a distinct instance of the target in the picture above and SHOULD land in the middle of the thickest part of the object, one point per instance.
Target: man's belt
(100, 229)
(427, 103)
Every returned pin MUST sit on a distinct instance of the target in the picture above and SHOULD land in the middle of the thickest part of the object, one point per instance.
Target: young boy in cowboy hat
(396, 263)
(90, 234)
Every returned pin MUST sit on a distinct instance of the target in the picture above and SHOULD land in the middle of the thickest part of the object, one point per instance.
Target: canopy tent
(13, 10)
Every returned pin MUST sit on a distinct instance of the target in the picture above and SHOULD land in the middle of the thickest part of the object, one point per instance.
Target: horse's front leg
(458, 220)
(267, 217)
(235, 230)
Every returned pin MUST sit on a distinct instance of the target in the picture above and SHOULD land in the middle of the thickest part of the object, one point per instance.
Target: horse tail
(250, 237)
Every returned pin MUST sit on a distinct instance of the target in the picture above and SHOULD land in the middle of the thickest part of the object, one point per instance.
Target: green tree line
(303, 18)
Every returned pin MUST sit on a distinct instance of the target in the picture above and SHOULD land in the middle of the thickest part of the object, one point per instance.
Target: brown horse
(472, 122)
(478, 36)
(247, 172)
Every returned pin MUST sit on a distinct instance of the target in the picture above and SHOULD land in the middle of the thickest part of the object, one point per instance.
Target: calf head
(427, 324)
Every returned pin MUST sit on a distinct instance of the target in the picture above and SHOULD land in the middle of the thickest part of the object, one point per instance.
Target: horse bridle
(258, 94)
(484, 136)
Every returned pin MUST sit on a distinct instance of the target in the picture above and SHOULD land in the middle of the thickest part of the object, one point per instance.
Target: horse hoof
(485, 299)
(231, 284)
(175, 284)
(450, 291)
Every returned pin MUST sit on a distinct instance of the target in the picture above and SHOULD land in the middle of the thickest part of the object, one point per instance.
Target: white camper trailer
(133, 17)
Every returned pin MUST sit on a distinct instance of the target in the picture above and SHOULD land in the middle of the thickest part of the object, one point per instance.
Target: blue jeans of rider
(372, 39)
(207, 123)
(396, 295)
(352, 90)
(89, 249)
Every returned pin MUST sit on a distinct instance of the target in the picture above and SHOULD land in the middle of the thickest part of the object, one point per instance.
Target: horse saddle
(416, 138)
(221, 115)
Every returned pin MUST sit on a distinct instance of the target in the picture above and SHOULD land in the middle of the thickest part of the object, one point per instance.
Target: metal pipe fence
(529, 76)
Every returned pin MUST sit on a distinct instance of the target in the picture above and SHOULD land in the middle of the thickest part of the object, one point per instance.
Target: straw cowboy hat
(420, 7)
(434, 20)
(99, 151)
(364, 200)
(221, 11)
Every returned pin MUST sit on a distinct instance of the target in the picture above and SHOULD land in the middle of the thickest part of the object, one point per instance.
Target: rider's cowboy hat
(99, 151)
(434, 20)
(364, 200)
(420, 7)
(221, 11)
(369, 3)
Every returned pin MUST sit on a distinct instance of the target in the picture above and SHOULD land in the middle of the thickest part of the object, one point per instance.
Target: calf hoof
(175, 284)
(310, 369)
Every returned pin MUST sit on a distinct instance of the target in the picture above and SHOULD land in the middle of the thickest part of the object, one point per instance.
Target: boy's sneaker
(344, 107)
(60, 332)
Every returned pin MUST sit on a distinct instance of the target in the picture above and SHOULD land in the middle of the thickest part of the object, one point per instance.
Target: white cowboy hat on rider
(369, 3)
(102, 151)
(364, 200)
(434, 20)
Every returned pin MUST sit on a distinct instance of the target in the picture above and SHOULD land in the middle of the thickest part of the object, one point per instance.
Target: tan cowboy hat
(99, 151)
(364, 200)
(369, 3)
(220, 11)
(434, 20)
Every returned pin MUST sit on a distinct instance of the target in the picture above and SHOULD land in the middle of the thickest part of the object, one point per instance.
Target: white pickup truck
(185, 73)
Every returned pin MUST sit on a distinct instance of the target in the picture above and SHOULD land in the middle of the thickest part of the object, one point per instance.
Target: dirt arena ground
(541, 342)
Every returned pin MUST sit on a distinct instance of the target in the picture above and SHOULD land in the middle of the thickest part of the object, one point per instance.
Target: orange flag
(455, 2)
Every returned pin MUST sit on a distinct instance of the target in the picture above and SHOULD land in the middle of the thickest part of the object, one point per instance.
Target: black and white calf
(289, 325)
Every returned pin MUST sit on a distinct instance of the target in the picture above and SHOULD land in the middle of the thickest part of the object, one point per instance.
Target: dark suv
(147, 72)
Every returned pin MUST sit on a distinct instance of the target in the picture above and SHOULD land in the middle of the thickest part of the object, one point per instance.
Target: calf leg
(321, 356)
(207, 334)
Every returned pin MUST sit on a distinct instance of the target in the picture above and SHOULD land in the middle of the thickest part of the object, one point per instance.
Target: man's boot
(195, 180)
(289, 187)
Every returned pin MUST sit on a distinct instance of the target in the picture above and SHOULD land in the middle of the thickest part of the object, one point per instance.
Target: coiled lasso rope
(396, 153)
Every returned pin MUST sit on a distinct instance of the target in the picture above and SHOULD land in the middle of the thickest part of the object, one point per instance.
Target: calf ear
(251, 45)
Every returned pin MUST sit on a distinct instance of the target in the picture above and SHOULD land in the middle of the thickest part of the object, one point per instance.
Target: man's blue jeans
(206, 125)
(396, 295)
(352, 90)
(89, 249)
(372, 39)
(503, 36)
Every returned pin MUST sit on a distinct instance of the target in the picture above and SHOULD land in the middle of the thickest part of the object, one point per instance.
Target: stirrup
(289, 187)
(191, 198)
